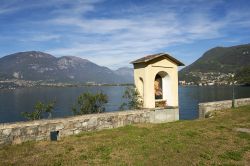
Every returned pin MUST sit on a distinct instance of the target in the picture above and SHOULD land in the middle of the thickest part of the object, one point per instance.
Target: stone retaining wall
(14, 133)
(205, 108)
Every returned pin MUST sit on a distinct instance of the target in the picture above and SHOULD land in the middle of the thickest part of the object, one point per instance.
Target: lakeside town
(205, 79)
(209, 79)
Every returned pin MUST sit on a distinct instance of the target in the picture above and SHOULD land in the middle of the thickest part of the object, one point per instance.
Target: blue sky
(114, 32)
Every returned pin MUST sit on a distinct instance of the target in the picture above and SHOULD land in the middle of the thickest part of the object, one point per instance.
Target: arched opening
(141, 87)
(158, 87)
(162, 87)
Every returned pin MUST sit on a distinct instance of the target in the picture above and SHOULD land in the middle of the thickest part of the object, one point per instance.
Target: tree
(243, 76)
(133, 99)
(88, 103)
(39, 110)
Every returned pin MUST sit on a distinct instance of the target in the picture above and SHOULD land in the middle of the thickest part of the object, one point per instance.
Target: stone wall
(205, 108)
(15, 133)
(164, 115)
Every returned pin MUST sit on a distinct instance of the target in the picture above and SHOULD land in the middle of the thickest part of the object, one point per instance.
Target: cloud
(115, 34)
(64, 7)
(133, 36)
(41, 38)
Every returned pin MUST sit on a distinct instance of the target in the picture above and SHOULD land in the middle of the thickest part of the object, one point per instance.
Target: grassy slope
(200, 142)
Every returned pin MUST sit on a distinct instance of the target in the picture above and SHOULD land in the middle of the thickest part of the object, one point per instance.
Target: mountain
(217, 61)
(126, 72)
(35, 65)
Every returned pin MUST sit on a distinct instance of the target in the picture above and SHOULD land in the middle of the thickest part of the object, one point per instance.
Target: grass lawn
(199, 142)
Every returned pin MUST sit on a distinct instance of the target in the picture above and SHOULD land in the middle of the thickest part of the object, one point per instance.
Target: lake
(13, 102)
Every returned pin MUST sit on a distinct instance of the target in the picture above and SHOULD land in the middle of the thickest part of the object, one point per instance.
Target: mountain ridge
(217, 62)
(37, 65)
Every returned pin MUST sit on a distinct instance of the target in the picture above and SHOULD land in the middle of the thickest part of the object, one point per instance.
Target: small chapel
(156, 78)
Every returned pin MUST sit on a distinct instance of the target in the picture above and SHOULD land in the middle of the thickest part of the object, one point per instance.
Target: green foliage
(244, 136)
(133, 99)
(243, 76)
(88, 103)
(233, 155)
(39, 110)
(218, 59)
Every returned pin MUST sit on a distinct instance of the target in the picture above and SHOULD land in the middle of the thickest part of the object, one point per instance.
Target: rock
(6, 132)
(244, 130)
(59, 126)
(92, 122)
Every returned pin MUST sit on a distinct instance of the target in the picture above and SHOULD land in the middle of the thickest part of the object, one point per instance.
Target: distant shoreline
(16, 84)
(217, 85)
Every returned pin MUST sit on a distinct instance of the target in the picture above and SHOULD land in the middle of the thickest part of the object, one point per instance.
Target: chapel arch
(141, 87)
(162, 88)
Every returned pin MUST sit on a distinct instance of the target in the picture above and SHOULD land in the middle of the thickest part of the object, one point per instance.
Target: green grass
(199, 142)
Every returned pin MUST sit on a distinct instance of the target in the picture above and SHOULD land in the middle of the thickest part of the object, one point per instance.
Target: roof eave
(179, 63)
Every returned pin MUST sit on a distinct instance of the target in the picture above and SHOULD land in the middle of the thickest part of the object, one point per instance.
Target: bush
(88, 103)
(243, 76)
(133, 99)
(40, 109)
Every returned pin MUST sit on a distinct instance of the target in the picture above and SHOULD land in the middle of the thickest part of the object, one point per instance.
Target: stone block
(41, 137)
(76, 131)
(66, 132)
(69, 124)
(163, 115)
(59, 126)
(52, 127)
(84, 124)
(105, 126)
(17, 140)
(77, 124)
(16, 131)
(6, 132)
(92, 122)
(33, 130)
(5, 141)
(43, 129)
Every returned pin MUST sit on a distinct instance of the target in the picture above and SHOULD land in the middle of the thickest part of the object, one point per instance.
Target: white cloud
(134, 36)
(74, 7)
(126, 33)
(41, 38)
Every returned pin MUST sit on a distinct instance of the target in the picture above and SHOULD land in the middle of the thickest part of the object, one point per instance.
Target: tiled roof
(151, 57)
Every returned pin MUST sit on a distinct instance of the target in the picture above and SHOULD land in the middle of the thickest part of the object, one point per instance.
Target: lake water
(13, 102)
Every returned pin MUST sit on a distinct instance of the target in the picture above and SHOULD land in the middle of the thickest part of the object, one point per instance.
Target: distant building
(182, 82)
(91, 83)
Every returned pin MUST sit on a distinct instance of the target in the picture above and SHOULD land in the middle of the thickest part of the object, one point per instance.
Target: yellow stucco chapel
(156, 78)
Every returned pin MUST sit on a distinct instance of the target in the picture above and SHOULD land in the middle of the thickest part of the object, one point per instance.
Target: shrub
(243, 76)
(40, 109)
(88, 103)
(133, 99)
